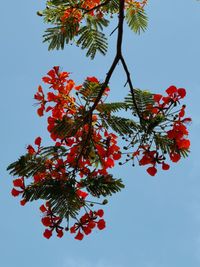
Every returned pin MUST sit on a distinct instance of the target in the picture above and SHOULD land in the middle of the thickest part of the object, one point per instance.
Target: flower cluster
(95, 8)
(37, 142)
(51, 221)
(74, 171)
(87, 223)
(76, 166)
(85, 150)
(84, 226)
(19, 183)
(163, 131)
(76, 13)
(88, 143)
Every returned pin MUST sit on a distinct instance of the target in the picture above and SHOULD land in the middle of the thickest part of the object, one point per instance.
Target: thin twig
(131, 86)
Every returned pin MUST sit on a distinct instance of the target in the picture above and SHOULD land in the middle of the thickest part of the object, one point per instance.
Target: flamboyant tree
(85, 129)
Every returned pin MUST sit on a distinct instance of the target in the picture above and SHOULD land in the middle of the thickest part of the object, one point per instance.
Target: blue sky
(153, 222)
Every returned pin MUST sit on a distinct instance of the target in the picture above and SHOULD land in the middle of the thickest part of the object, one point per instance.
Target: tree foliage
(86, 130)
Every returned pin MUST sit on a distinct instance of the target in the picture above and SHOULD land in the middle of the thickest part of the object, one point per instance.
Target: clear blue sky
(154, 222)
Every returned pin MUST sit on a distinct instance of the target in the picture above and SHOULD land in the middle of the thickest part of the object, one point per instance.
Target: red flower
(19, 183)
(152, 171)
(171, 90)
(52, 97)
(85, 218)
(166, 100)
(79, 236)
(81, 193)
(155, 110)
(183, 144)
(117, 156)
(40, 94)
(47, 233)
(100, 213)
(31, 150)
(43, 208)
(73, 229)
(40, 111)
(91, 224)
(182, 112)
(109, 163)
(165, 166)
(46, 221)
(101, 224)
(182, 92)
(149, 157)
(157, 97)
(87, 230)
(38, 141)
(15, 192)
(92, 79)
(55, 78)
(186, 120)
(23, 202)
(59, 233)
(175, 157)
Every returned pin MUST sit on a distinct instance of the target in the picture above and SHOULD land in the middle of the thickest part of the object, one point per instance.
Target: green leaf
(67, 128)
(61, 195)
(60, 2)
(184, 152)
(120, 125)
(90, 91)
(96, 23)
(57, 151)
(27, 166)
(103, 185)
(112, 6)
(143, 99)
(163, 143)
(60, 35)
(136, 18)
(112, 107)
(92, 40)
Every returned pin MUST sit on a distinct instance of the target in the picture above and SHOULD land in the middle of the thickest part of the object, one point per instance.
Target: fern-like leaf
(60, 35)
(103, 185)
(142, 98)
(120, 125)
(27, 166)
(112, 6)
(136, 18)
(90, 91)
(61, 195)
(92, 40)
(65, 128)
(96, 23)
(112, 107)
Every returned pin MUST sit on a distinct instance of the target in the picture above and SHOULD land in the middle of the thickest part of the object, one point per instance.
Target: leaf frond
(136, 19)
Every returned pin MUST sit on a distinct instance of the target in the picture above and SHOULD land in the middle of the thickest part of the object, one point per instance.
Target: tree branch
(131, 86)
(117, 57)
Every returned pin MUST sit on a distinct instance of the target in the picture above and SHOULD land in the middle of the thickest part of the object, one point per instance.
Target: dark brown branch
(131, 87)
(108, 76)
(117, 57)
(114, 30)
